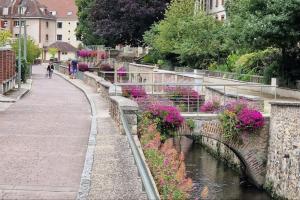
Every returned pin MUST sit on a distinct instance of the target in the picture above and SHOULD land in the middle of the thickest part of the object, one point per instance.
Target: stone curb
(85, 182)
(9, 100)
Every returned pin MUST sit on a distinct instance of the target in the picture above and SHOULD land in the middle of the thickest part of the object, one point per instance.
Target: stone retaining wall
(283, 168)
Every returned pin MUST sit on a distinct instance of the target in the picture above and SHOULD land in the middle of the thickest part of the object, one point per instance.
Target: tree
(53, 52)
(84, 30)
(124, 21)
(33, 50)
(258, 24)
(4, 37)
(192, 38)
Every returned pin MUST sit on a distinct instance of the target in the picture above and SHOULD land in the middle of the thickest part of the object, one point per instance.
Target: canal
(212, 179)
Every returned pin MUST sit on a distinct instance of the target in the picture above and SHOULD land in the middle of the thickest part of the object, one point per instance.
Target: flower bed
(134, 92)
(185, 98)
(213, 106)
(238, 118)
(166, 164)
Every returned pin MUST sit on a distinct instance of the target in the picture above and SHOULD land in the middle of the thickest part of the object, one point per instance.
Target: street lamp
(20, 48)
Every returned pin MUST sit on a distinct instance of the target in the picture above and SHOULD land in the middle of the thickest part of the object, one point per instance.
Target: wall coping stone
(207, 116)
(141, 65)
(91, 75)
(285, 103)
(125, 103)
(219, 90)
(115, 90)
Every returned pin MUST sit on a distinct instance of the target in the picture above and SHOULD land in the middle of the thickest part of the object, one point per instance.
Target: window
(16, 23)
(222, 17)
(53, 13)
(23, 10)
(217, 3)
(5, 24)
(216, 17)
(211, 4)
(16, 35)
(223, 2)
(47, 37)
(59, 24)
(64, 53)
(69, 13)
(47, 24)
(59, 37)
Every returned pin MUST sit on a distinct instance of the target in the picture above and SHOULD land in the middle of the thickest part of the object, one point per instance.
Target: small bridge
(252, 152)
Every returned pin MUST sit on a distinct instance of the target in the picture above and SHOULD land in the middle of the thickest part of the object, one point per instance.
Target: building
(66, 13)
(65, 51)
(40, 23)
(215, 8)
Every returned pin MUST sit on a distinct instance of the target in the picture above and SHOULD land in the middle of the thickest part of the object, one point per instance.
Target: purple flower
(122, 72)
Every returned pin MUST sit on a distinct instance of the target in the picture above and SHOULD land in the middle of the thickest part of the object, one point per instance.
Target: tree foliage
(4, 37)
(124, 21)
(194, 39)
(33, 50)
(53, 52)
(259, 24)
(84, 30)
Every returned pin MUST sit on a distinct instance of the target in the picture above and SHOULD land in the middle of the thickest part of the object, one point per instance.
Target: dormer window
(53, 13)
(42, 10)
(69, 13)
(23, 10)
(5, 11)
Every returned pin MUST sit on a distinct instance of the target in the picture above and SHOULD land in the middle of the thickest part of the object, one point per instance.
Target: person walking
(74, 67)
(50, 70)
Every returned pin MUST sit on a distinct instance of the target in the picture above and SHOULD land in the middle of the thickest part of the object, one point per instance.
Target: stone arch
(252, 153)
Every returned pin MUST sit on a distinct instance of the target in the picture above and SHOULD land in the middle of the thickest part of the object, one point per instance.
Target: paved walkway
(114, 174)
(43, 141)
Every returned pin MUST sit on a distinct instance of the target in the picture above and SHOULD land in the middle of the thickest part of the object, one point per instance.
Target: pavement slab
(43, 139)
(114, 174)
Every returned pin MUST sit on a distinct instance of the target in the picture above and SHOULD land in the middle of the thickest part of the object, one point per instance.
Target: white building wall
(218, 10)
(37, 30)
(68, 31)
(63, 57)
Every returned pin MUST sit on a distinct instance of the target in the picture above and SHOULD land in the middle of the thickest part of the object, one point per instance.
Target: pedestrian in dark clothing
(74, 67)
(50, 70)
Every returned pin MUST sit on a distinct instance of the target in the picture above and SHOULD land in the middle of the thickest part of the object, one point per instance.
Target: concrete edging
(85, 182)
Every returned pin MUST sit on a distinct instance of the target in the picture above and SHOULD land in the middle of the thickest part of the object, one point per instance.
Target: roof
(65, 9)
(34, 9)
(63, 47)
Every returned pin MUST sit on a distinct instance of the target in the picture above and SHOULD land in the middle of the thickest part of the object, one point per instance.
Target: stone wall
(252, 152)
(223, 97)
(7, 70)
(129, 108)
(283, 167)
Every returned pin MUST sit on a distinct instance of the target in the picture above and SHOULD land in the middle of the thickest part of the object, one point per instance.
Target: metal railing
(189, 97)
(140, 163)
(234, 76)
(151, 77)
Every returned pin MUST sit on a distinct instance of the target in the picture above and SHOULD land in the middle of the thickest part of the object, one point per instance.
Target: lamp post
(20, 48)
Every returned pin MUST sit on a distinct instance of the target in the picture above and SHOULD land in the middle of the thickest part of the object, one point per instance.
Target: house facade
(66, 13)
(40, 23)
(216, 8)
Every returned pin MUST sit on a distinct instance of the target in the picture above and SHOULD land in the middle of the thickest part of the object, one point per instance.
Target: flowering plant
(87, 53)
(134, 91)
(122, 72)
(168, 118)
(211, 106)
(237, 117)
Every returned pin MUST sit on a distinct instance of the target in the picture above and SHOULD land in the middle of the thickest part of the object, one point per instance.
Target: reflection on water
(213, 180)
